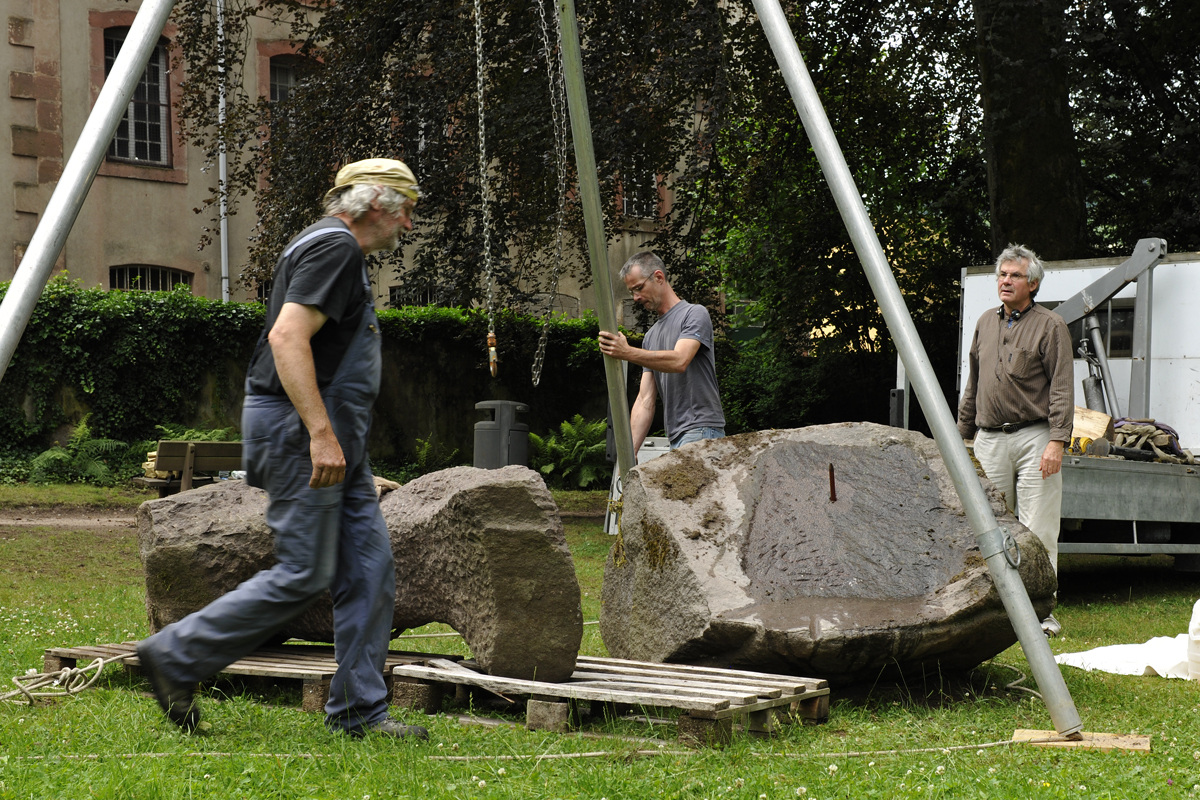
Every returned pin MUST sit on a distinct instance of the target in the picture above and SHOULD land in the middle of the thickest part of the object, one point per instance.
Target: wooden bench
(188, 458)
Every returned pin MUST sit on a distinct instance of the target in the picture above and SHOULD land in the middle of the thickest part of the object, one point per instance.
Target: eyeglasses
(638, 287)
(1016, 276)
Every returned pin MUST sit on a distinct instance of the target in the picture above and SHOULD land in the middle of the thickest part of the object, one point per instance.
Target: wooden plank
(209, 456)
(784, 686)
(734, 698)
(762, 705)
(563, 690)
(684, 669)
(1090, 741)
(646, 680)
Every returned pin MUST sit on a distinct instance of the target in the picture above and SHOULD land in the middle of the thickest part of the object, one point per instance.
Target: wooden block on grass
(703, 732)
(315, 696)
(1090, 741)
(426, 697)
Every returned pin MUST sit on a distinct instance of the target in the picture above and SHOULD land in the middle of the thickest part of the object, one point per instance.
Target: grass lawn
(63, 587)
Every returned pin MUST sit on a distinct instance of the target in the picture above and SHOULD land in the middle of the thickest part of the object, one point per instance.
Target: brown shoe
(178, 700)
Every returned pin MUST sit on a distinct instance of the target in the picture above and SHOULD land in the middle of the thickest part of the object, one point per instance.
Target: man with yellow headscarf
(312, 381)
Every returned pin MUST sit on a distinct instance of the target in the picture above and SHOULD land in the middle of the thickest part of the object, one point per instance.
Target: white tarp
(1163, 655)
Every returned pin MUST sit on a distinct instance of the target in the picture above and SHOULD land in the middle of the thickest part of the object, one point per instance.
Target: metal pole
(593, 217)
(1139, 362)
(991, 539)
(77, 177)
(222, 159)
(1091, 327)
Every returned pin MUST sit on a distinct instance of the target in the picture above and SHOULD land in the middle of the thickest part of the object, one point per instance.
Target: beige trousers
(1015, 458)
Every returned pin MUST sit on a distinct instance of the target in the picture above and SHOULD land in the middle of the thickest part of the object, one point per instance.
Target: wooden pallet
(710, 698)
(311, 665)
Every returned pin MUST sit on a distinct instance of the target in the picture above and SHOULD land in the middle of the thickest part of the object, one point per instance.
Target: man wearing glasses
(1019, 402)
(676, 357)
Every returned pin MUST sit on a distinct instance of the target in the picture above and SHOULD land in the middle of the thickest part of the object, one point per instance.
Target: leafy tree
(689, 92)
(1136, 105)
(1034, 178)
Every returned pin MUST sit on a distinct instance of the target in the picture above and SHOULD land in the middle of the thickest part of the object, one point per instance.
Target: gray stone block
(735, 552)
(480, 550)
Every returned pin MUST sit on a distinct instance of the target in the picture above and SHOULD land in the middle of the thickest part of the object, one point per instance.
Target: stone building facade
(137, 228)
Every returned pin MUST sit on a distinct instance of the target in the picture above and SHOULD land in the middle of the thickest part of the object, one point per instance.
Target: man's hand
(1052, 459)
(615, 345)
(329, 464)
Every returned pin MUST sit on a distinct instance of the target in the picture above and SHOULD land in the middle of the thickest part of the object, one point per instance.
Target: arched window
(144, 133)
(147, 278)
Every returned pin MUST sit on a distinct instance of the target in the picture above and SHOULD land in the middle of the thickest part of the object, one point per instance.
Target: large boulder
(480, 550)
(832, 551)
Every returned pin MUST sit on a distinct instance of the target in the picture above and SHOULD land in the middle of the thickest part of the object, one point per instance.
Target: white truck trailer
(1149, 325)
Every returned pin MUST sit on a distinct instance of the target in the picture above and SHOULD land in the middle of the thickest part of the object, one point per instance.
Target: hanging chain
(558, 110)
(483, 195)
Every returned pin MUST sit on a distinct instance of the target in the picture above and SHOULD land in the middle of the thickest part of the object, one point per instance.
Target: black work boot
(393, 729)
(178, 700)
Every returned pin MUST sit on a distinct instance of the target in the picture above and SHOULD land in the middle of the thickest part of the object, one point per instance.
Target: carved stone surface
(480, 550)
(831, 551)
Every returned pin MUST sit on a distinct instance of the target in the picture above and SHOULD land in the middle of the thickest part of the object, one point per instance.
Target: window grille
(639, 194)
(144, 133)
(283, 77)
(401, 296)
(147, 278)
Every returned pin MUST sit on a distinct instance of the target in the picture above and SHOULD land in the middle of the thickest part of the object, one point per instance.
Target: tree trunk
(1035, 181)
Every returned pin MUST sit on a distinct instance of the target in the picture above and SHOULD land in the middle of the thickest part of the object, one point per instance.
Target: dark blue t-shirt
(321, 267)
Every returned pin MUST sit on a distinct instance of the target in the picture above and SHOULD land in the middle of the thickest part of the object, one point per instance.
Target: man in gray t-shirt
(676, 357)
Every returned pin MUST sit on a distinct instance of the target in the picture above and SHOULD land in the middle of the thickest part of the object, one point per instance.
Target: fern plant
(82, 460)
(573, 458)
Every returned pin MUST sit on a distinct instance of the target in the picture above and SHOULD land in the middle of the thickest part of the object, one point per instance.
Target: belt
(1013, 427)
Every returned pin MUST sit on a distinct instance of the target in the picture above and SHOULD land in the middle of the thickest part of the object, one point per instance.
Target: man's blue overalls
(332, 538)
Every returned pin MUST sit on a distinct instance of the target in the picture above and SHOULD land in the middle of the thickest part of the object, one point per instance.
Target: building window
(1116, 327)
(262, 292)
(399, 296)
(283, 77)
(144, 133)
(639, 194)
(147, 278)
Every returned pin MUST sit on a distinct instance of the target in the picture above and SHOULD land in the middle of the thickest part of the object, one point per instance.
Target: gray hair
(355, 200)
(646, 262)
(1033, 264)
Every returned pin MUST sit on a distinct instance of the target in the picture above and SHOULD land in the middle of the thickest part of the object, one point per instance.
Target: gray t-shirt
(690, 398)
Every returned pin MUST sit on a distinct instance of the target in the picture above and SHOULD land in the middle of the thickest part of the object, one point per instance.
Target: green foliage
(14, 466)
(428, 456)
(574, 457)
(133, 359)
(181, 433)
(83, 459)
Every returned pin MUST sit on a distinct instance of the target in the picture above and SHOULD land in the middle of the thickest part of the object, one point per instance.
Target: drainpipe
(222, 160)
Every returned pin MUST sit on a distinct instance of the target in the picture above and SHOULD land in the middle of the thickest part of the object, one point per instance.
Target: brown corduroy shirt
(1019, 373)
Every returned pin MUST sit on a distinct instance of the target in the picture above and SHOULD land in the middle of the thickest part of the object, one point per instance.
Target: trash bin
(501, 440)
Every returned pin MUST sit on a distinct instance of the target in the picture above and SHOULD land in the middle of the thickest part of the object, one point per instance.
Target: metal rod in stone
(832, 486)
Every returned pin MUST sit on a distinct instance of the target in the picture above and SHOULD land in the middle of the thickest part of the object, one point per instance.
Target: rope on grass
(70, 680)
(863, 753)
